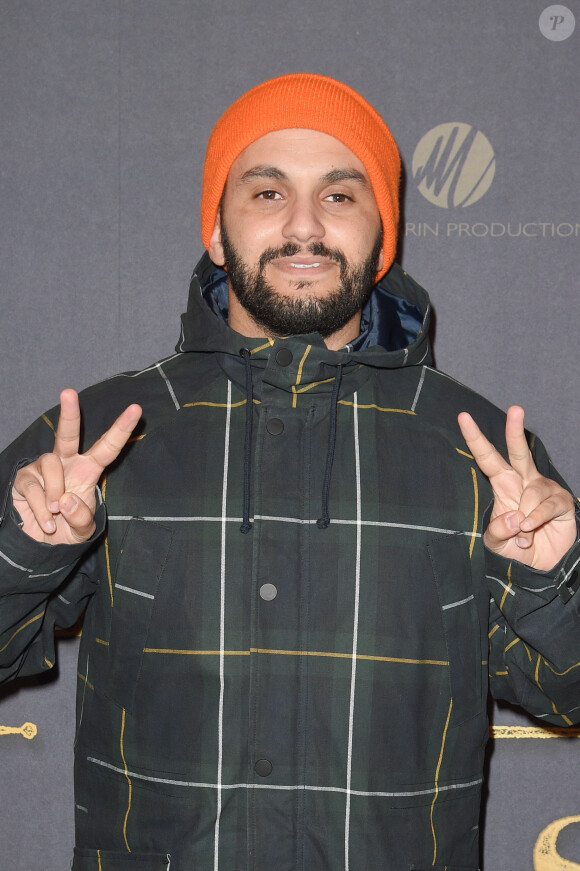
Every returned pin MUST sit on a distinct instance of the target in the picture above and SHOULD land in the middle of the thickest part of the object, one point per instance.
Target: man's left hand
(533, 518)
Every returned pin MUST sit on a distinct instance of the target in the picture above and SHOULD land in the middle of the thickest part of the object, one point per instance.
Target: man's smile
(304, 263)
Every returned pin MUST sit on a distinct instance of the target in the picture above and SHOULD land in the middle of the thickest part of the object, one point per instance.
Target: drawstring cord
(246, 525)
(324, 520)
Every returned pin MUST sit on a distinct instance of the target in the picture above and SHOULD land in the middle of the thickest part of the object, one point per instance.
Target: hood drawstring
(246, 525)
(324, 520)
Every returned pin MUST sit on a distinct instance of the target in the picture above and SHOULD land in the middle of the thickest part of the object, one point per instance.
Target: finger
(28, 487)
(555, 504)
(52, 474)
(68, 430)
(536, 492)
(78, 515)
(518, 449)
(504, 529)
(487, 457)
(111, 443)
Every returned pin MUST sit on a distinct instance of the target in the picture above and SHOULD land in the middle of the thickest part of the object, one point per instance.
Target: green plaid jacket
(293, 697)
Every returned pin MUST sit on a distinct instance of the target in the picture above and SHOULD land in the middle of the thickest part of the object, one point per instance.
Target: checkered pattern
(293, 698)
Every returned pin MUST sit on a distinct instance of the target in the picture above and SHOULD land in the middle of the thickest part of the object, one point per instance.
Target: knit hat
(312, 102)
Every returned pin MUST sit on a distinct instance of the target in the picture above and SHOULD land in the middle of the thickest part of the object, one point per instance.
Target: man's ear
(215, 247)
(381, 260)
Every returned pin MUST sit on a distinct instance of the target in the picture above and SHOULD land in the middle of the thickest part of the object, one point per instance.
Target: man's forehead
(278, 152)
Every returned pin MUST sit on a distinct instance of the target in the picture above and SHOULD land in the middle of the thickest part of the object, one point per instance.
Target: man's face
(299, 232)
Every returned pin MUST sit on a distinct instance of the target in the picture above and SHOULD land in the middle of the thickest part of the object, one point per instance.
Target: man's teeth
(305, 265)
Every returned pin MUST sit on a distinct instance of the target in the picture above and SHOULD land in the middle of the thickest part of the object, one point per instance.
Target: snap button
(268, 592)
(284, 357)
(263, 767)
(275, 426)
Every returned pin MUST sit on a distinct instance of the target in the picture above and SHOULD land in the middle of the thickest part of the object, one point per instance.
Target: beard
(282, 315)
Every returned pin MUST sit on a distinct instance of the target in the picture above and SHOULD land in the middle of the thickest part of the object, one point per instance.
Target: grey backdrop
(106, 107)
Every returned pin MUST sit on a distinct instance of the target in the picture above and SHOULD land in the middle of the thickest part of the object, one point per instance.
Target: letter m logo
(453, 165)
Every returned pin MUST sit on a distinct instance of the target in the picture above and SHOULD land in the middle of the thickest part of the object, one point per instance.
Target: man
(284, 661)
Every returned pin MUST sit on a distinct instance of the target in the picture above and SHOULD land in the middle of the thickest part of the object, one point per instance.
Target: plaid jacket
(284, 662)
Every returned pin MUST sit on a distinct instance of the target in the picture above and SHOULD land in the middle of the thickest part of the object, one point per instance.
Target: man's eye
(268, 195)
(338, 198)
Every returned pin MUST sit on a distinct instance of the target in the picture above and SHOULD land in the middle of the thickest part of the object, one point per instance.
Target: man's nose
(303, 221)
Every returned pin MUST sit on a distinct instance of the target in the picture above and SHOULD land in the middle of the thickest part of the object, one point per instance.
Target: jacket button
(268, 592)
(284, 357)
(263, 767)
(275, 426)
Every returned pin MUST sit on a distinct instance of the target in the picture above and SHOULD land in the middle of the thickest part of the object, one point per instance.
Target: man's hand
(532, 520)
(55, 495)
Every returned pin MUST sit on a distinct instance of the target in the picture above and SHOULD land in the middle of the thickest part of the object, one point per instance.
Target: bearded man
(293, 542)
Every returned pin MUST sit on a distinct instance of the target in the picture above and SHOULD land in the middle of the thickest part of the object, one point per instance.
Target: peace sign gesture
(532, 519)
(55, 494)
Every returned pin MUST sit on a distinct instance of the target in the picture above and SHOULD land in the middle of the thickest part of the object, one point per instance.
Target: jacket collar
(394, 323)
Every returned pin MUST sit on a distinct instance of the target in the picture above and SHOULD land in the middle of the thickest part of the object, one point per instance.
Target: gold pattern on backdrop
(533, 732)
(546, 856)
(27, 730)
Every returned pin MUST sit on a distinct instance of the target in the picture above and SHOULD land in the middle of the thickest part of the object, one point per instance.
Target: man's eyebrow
(347, 174)
(263, 172)
(331, 177)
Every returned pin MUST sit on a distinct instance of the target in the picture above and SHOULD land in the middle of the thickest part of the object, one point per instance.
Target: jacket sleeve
(42, 586)
(534, 630)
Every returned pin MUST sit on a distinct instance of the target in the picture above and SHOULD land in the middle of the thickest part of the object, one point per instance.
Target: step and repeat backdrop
(106, 106)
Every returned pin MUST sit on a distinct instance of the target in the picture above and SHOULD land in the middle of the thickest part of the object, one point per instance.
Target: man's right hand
(55, 495)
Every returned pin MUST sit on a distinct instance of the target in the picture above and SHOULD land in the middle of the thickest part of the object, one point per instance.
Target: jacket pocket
(142, 560)
(452, 571)
(105, 860)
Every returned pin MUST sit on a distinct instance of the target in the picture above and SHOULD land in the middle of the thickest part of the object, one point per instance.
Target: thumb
(506, 528)
(79, 517)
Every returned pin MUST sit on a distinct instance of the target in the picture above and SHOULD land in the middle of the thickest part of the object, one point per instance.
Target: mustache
(291, 249)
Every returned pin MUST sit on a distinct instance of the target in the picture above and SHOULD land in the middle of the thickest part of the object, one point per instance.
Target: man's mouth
(304, 265)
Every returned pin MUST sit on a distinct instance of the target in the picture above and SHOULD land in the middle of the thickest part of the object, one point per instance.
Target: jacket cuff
(563, 578)
(27, 558)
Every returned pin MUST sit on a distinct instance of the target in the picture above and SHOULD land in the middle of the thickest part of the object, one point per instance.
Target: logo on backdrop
(557, 23)
(453, 165)
(546, 856)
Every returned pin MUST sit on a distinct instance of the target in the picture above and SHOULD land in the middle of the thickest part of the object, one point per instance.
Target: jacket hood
(394, 333)
(394, 323)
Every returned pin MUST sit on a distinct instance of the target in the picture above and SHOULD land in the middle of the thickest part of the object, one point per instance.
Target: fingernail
(50, 526)
(512, 521)
(53, 507)
(70, 504)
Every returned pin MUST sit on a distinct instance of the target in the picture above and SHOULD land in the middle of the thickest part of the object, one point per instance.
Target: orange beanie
(312, 102)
